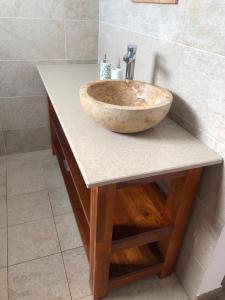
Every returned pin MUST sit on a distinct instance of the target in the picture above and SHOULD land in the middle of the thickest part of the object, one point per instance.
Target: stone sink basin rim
(125, 106)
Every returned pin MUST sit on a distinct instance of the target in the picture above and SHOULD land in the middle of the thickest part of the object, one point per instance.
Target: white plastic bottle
(117, 73)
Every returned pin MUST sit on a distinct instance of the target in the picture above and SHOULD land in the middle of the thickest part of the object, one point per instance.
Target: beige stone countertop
(105, 157)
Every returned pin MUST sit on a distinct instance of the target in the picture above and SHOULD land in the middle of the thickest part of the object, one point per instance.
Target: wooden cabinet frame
(129, 230)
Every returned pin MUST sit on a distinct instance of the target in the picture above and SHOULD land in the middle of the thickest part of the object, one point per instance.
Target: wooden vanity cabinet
(129, 230)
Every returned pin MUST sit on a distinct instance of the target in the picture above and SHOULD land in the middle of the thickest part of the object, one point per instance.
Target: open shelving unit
(140, 221)
(129, 230)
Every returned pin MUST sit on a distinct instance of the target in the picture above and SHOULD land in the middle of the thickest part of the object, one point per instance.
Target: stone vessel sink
(125, 106)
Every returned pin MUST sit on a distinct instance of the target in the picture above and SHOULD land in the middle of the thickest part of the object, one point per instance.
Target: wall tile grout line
(47, 60)
(48, 19)
(16, 97)
(24, 128)
(24, 47)
(162, 40)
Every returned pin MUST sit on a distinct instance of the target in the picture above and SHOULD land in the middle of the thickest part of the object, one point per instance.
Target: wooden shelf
(131, 262)
(138, 210)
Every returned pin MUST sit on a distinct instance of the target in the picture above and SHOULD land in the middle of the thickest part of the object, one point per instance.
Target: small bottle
(105, 69)
(117, 73)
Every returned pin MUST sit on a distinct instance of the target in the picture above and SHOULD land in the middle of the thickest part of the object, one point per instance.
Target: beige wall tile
(82, 40)
(39, 279)
(168, 288)
(82, 9)
(25, 140)
(2, 168)
(32, 240)
(24, 112)
(31, 39)
(3, 247)
(212, 190)
(77, 271)
(3, 207)
(3, 284)
(32, 8)
(2, 187)
(164, 65)
(189, 272)
(204, 25)
(28, 207)
(162, 21)
(202, 234)
(2, 143)
(1, 114)
(18, 78)
(30, 31)
(68, 232)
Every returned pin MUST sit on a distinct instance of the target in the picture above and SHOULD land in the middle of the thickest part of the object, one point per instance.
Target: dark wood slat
(134, 259)
(142, 238)
(151, 179)
(136, 275)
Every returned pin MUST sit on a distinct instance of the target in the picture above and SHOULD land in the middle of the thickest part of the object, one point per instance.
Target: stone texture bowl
(125, 106)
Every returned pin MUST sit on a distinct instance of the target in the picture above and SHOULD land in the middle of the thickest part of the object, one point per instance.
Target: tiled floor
(41, 254)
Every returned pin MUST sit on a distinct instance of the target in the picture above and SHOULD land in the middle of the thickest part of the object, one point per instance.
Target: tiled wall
(181, 47)
(31, 31)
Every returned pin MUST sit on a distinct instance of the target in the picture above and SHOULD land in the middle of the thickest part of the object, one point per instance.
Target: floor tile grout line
(42, 190)
(33, 259)
(62, 251)
(39, 219)
(9, 226)
(31, 221)
(39, 190)
(67, 250)
(60, 247)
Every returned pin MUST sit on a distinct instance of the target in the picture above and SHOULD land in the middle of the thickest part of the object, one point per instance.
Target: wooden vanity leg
(179, 203)
(101, 227)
